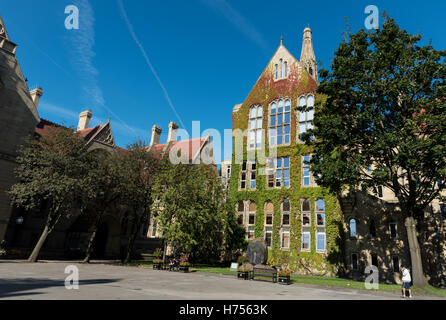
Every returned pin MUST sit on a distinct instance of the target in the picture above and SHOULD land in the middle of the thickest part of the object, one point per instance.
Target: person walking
(406, 282)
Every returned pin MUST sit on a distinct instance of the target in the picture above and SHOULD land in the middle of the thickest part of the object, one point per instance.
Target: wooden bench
(266, 273)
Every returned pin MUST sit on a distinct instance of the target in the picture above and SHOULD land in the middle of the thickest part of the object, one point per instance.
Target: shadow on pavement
(21, 287)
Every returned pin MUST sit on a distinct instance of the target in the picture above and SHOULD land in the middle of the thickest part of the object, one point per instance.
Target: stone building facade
(271, 184)
(303, 225)
(18, 118)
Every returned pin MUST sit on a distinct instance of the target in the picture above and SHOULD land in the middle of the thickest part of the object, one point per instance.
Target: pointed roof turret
(307, 56)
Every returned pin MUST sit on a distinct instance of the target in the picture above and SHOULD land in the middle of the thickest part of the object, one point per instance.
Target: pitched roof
(42, 129)
(189, 147)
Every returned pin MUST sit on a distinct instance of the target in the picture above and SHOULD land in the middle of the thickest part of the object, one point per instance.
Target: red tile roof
(189, 147)
(44, 125)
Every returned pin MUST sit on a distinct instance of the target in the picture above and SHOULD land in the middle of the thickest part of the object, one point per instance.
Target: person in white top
(406, 282)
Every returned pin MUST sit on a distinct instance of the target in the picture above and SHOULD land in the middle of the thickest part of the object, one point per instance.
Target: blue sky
(151, 62)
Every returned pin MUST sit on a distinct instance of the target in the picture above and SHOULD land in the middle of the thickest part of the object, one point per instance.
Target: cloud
(240, 22)
(143, 52)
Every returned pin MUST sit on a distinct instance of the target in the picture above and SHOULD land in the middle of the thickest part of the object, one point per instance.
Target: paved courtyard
(103, 282)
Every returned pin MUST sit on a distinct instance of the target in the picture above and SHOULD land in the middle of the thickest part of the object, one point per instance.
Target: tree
(139, 170)
(383, 105)
(188, 204)
(102, 190)
(51, 168)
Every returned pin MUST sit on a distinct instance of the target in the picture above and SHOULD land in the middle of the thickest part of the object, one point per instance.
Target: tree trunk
(131, 242)
(91, 240)
(419, 279)
(39, 245)
(164, 251)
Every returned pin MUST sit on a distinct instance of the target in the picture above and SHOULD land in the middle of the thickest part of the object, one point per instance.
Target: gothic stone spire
(307, 57)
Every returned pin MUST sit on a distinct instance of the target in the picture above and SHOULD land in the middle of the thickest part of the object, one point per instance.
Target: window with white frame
(280, 122)
(255, 127)
(306, 116)
(320, 241)
(306, 239)
(278, 172)
(307, 178)
(285, 239)
(320, 213)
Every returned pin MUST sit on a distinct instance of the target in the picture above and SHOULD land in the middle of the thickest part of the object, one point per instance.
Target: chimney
(36, 94)
(173, 127)
(84, 120)
(156, 133)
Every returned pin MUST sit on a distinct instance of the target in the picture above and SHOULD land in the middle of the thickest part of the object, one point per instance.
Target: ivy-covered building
(271, 185)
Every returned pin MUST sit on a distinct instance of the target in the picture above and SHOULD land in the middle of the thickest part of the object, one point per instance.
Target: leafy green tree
(102, 190)
(52, 168)
(138, 170)
(383, 105)
(189, 210)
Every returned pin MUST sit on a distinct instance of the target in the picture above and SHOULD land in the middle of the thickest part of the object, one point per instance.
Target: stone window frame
(257, 144)
(306, 165)
(250, 168)
(316, 212)
(287, 231)
(281, 70)
(241, 213)
(318, 232)
(252, 213)
(272, 171)
(305, 212)
(283, 125)
(309, 116)
(302, 241)
(269, 231)
(283, 212)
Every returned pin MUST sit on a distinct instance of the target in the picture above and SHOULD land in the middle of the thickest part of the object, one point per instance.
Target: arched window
(306, 221)
(277, 71)
(286, 69)
(306, 116)
(354, 261)
(280, 121)
(269, 209)
(352, 228)
(255, 126)
(281, 68)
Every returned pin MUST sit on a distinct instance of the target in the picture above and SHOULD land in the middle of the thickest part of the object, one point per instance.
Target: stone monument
(257, 252)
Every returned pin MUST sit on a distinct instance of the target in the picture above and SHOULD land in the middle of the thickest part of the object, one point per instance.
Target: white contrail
(135, 38)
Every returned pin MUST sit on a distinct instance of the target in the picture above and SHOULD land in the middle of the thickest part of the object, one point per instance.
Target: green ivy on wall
(264, 92)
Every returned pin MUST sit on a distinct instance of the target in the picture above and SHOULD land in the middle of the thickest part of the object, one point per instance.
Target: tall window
(280, 122)
(240, 210)
(248, 175)
(374, 259)
(255, 126)
(285, 239)
(306, 116)
(307, 180)
(392, 227)
(286, 213)
(281, 70)
(306, 221)
(269, 209)
(268, 238)
(277, 72)
(320, 213)
(252, 213)
(306, 241)
(352, 228)
(320, 241)
(278, 172)
(286, 69)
